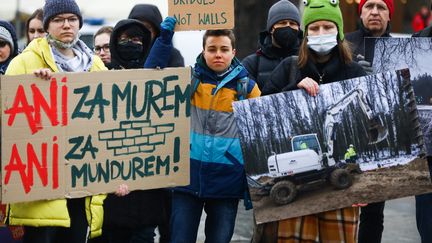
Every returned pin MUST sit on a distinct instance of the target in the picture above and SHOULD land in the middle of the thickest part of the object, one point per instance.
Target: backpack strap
(194, 82)
(242, 88)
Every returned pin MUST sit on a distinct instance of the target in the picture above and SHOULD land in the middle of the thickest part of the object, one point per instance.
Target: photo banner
(416, 54)
(202, 14)
(358, 140)
(81, 134)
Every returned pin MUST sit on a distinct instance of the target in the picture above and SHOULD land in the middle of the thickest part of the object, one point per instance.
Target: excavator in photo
(307, 162)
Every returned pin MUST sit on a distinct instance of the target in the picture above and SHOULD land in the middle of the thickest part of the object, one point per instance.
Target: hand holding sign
(43, 73)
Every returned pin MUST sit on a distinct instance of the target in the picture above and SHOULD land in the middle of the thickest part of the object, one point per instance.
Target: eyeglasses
(105, 48)
(3, 43)
(61, 21)
(135, 40)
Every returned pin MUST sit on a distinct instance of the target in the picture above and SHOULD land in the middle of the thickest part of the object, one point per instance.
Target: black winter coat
(331, 71)
(357, 39)
(261, 64)
(151, 14)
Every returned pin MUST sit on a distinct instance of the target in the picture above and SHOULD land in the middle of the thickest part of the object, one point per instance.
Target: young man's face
(218, 53)
(64, 27)
(375, 16)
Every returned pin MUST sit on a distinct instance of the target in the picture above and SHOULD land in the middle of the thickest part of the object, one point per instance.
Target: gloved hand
(167, 29)
(169, 23)
(367, 66)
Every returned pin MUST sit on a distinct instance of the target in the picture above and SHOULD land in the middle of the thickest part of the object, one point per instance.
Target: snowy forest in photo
(267, 124)
(415, 54)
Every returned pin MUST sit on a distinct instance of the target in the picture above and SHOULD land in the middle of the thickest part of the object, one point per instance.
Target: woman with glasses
(101, 42)
(8, 45)
(60, 220)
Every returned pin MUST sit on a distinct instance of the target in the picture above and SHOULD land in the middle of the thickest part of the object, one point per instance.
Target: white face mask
(322, 44)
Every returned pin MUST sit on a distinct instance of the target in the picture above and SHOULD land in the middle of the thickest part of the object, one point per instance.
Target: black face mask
(286, 37)
(130, 51)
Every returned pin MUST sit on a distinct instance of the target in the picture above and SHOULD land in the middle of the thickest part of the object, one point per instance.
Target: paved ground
(399, 223)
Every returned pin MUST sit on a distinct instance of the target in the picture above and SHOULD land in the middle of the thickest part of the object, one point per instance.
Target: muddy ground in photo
(371, 186)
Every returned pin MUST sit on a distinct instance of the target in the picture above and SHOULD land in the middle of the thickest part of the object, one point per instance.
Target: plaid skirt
(337, 226)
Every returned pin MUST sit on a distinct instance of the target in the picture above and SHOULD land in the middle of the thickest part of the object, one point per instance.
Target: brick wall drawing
(135, 137)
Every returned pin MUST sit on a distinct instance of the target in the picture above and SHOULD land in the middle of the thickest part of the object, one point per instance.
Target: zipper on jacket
(207, 117)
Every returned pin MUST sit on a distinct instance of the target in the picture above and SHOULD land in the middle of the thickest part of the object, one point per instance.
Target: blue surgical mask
(322, 44)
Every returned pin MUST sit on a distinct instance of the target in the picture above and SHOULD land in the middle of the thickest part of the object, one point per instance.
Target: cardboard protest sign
(416, 54)
(86, 133)
(202, 14)
(298, 148)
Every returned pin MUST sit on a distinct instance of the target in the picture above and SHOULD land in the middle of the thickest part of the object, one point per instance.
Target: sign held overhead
(202, 14)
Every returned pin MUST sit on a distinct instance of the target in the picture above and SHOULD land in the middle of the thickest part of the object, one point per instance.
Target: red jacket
(418, 22)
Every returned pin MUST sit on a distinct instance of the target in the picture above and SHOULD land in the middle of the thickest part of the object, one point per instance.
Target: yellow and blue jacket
(217, 166)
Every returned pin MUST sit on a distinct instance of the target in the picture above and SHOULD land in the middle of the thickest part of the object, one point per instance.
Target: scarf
(81, 62)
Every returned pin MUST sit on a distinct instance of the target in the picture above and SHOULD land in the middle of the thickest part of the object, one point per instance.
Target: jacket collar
(41, 47)
(203, 72)
(323, 71)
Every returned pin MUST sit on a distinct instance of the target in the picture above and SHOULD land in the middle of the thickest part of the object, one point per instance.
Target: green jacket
(50, 212)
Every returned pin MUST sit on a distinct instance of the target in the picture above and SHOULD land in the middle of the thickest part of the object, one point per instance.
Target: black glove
(367, 66)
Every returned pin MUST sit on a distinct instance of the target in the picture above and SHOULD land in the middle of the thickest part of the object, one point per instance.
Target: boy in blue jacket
(217, 172)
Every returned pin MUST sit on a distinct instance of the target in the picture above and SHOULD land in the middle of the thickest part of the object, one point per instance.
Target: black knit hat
(55, 7)
(281, 10)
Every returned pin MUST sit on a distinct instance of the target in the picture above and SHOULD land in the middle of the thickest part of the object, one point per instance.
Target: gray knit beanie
(6, 36)
(281, 10)
(55, 7)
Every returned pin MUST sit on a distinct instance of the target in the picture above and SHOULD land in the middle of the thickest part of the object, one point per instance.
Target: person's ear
(234, 51)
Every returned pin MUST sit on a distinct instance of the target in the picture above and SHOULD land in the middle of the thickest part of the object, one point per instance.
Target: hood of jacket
(11, 29)
(149, 13)
(268, 50)
(117, 62)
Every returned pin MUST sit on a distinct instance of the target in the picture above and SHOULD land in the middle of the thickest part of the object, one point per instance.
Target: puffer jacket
(42, 213)
(151, 14)
(216, 160)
